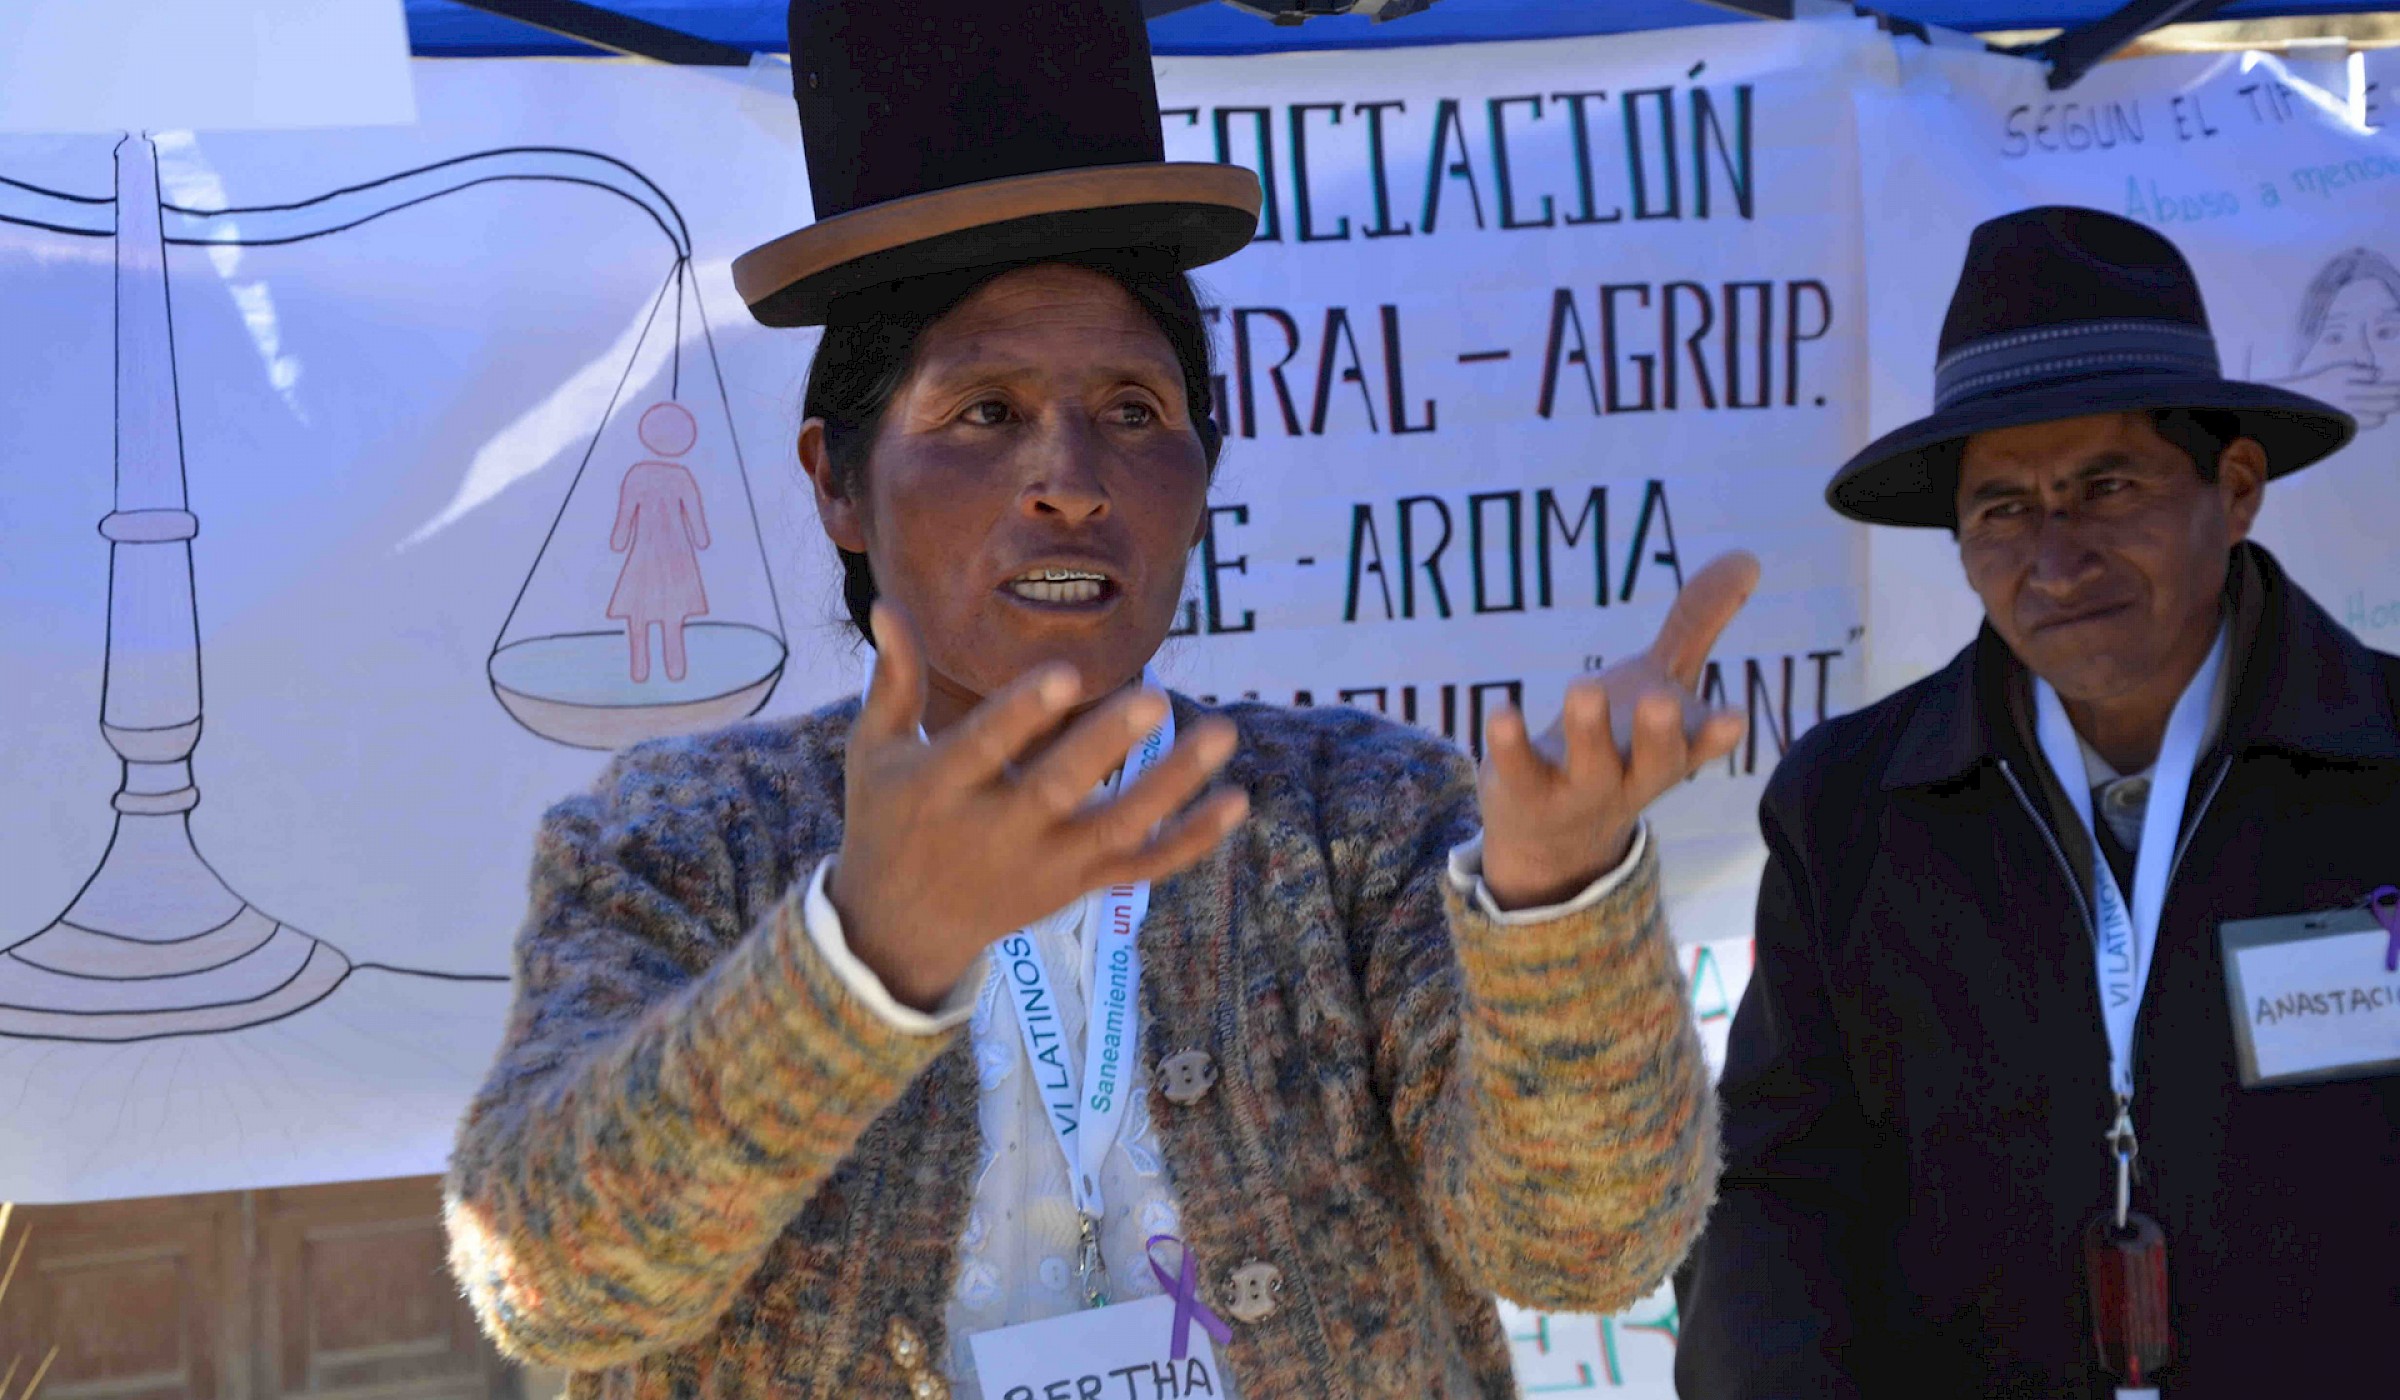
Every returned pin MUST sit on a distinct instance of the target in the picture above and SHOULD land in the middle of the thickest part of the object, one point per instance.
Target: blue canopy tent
(705, 31)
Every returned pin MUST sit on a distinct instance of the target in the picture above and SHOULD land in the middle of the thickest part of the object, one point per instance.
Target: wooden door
(145, 1300)
(310, 1293)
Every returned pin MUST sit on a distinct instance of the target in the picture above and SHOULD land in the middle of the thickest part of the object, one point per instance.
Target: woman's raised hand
(1559, 811)
(951, 843)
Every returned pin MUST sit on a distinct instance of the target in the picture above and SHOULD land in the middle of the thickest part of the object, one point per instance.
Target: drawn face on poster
(2347, 337)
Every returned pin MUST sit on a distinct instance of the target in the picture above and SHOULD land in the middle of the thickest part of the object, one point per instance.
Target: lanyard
(1086, 1110)
(2128, 930)
(1085, 1124)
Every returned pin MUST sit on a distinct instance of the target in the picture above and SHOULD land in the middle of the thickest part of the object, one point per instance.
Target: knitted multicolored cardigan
(701, 1167)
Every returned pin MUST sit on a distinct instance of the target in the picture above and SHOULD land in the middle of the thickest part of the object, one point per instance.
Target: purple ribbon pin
(1185, 1290)
(2384, 904)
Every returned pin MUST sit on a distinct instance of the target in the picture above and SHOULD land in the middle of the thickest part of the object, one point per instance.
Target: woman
(661, 528)
(1295, 1048)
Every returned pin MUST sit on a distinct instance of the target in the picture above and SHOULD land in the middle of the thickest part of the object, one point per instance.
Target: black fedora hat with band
(2063, 312)
(943, 135)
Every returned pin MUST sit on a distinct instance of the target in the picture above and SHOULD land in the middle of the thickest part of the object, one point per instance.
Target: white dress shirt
(1016, 1255)
(2122, 799)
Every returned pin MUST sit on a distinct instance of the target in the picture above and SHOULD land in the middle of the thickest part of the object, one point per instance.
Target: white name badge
(2311, 999)
(1124, 1352)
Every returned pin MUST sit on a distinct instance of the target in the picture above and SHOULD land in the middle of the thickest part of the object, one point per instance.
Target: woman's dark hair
(2356, 265)
(870, 346)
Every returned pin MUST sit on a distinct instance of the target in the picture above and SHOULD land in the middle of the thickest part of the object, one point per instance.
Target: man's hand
(1559, 811)
(951, 844)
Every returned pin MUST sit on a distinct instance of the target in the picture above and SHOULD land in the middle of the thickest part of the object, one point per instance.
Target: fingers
(1182, 842)
(1661, 755)
(2365, 387)
(895, 700)
(1708, 602)
(1592, 756)
(1508, 749)
(1127, 823)
(1061, 781)
(1720, 734)
(979, 748)
(1672, 740)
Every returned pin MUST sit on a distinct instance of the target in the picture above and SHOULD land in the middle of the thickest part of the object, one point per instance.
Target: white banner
(2278, 178)
(402, 437)
(1523, 342)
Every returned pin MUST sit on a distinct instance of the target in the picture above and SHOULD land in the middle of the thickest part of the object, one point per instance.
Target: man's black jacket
(1916, 1088)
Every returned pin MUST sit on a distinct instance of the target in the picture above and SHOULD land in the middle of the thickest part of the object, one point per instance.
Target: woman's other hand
(951, 843)
(1559, 811)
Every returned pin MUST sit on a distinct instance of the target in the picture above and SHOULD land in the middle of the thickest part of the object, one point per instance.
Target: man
(1978, 1013)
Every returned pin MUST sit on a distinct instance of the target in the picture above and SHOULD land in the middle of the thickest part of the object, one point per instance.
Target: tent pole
(2076, 51)
(623, 34)
(1757, 9)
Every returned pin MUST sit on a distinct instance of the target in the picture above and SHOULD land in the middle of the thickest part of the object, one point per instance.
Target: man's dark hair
(2202, 433)
(870, 346)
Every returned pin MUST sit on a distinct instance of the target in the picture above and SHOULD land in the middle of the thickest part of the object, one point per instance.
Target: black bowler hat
(951, 134)
(2062, 312)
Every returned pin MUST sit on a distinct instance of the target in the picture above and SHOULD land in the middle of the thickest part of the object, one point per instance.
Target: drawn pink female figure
(660, 528)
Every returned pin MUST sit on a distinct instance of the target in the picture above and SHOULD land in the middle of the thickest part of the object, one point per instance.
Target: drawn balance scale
(156, 943)
(574, 660)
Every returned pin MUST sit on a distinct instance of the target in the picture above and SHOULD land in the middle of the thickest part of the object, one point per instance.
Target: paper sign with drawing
(2346, 338)
(2277, 178)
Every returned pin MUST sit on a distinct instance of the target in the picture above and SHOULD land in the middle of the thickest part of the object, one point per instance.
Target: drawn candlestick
(155, 944)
